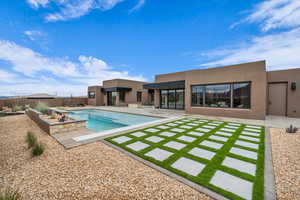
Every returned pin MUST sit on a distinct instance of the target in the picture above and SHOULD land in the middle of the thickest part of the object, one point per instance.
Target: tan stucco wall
(293, 97)
(254, 72)
(176, 76)
(130, 97)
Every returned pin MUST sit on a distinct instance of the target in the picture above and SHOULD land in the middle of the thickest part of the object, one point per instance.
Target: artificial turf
(210, 165)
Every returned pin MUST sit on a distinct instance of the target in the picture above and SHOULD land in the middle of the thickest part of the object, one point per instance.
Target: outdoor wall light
(293, 86)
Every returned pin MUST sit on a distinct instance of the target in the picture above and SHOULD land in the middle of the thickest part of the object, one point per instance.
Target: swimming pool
(100, 120)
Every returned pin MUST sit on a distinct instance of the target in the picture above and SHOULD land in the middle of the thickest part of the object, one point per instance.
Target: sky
(61, 47)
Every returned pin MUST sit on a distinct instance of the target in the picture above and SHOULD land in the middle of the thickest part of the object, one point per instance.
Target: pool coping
(112, 132)
(147, 115)
(269, 176)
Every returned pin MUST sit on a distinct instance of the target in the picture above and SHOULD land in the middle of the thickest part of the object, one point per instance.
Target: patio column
(156, 98)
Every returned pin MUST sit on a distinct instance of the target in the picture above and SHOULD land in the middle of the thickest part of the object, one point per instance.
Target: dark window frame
(175, 93)
(231, 95)
(202, 93)
(92, 94)
(250, 89)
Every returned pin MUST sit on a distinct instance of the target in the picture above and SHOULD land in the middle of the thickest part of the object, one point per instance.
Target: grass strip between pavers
(211, 166)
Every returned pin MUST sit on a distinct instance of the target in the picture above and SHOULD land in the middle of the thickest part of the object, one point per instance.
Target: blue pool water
(99, 120)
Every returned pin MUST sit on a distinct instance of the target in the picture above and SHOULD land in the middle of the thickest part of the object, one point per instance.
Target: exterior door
(180, 99)
(277, 99)
(111, 98)
(172, 99)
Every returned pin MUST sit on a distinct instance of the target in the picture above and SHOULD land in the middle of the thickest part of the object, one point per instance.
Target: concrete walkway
(270, 121)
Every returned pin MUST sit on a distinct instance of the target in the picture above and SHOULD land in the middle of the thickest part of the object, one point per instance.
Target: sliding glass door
(111, 98)
(180, 99)
(172, 99)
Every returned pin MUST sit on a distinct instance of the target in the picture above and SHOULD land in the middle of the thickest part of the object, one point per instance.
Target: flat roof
(116, 89)
(165, 85)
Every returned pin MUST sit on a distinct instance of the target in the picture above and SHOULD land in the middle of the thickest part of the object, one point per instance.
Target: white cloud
(28, 62)
(70, 9)
(274, 14)
(139, 4)
(279, 50)
(38, 3)
(6, 76)
(31, 72)
(33, 34)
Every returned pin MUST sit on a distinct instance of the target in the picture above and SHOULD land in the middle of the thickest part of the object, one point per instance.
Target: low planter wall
(56, 127)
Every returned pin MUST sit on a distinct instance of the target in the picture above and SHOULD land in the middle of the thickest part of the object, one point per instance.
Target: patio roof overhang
(165, 85)
(116, 89)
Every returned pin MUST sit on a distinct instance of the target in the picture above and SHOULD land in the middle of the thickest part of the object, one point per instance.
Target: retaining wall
(57, 127)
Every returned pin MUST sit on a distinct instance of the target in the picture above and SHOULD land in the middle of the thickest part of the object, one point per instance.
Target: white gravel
(286, 162)
(93, 171)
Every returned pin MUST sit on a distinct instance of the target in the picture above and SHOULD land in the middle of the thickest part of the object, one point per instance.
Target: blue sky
(62, 46)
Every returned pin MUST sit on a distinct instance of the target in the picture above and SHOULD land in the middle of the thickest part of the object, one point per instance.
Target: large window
(111, 98)
(197, 95)
(172, 99)
(241, 95)
(180, 99)
(218, 95)
(164, 99)
(91, 95)
(229, 95)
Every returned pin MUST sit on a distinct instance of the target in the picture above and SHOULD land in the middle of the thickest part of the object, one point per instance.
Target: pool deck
(85, 136)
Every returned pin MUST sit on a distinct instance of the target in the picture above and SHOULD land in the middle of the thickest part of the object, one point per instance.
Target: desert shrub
(10, 195)
(42, 107)
(37, 149)
(31, 139)
(16, 108)
(291, 129)
(23, 107)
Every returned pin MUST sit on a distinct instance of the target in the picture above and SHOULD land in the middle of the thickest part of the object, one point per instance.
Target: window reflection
(241, 95)
(217, 95)
(235, 95)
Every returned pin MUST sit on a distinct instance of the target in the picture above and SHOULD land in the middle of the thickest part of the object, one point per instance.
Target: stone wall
(66, 126)
(61, 101)
(57, 127)
(35, 116)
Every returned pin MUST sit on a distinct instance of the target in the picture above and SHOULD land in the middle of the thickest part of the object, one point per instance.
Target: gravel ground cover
(286, 162)
(227, 158)
(93, 171)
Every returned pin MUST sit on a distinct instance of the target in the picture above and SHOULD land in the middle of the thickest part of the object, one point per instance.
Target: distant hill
(5, 97)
